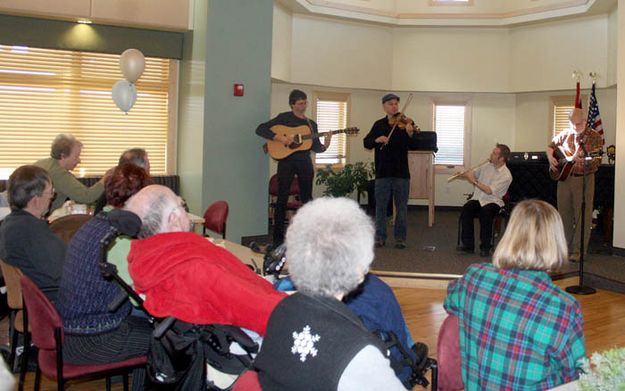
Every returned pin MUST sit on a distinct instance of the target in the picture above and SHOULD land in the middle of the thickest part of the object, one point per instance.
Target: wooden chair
(12, 276)
(65, 227)
(47, 334)
(215, 218)
(448, 353)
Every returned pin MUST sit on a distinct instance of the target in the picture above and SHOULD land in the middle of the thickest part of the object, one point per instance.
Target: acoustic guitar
(302, 139)
(566, 163)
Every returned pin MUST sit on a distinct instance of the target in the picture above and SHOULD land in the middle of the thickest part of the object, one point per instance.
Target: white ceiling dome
(450, 12)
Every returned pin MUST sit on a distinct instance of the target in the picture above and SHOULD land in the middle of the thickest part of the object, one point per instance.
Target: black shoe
(379, 243)
(465, 250)
(400, 244)
(484, 253)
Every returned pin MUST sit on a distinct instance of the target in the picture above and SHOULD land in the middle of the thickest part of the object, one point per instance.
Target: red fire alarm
(238, 89)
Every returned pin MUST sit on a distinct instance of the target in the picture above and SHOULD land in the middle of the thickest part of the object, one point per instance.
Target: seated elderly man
(64, 157)
(313, 340)
(25, 239)
(185, 276)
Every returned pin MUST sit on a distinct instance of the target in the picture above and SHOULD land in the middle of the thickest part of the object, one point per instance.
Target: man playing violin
(392, 176)
(298, 163)
(570, 190)
(491, 183)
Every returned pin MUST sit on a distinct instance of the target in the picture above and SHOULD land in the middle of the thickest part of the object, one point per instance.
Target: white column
(619, 185)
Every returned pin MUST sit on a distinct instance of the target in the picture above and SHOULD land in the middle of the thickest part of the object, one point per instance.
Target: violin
(400, 120)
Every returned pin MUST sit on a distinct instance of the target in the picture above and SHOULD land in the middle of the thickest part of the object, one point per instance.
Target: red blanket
(185, 276)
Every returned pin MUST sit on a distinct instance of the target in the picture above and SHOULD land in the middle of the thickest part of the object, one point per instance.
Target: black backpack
(178, 357)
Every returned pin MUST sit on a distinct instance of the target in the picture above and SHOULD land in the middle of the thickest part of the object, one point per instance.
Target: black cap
(389, 96)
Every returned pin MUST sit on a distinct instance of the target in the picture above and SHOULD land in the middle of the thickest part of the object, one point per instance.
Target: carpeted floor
(433, 250)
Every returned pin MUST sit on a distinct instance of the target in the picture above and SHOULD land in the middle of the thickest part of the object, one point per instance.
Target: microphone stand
(580, 289)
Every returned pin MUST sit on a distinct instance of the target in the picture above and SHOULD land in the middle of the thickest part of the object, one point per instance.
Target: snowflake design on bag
(304, 343)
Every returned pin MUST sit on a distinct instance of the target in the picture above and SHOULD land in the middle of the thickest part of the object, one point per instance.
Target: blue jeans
(399, 188)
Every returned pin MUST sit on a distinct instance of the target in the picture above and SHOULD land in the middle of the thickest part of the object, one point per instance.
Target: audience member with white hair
(518, 330)
(313, 340)
(185, 276)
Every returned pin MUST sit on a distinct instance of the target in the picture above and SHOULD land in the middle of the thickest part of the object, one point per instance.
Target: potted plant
(342, 182)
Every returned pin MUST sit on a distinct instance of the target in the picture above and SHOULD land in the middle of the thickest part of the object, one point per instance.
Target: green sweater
(67, 186)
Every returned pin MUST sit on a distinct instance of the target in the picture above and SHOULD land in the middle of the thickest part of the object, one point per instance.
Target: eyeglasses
(51, 194)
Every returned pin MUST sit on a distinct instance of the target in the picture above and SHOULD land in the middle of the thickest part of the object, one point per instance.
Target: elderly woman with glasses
(518, 330)
(313, 340)
(25, 239)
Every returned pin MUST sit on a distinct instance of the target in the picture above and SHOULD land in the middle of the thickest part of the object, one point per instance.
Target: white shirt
(498, 179)
(369, 370)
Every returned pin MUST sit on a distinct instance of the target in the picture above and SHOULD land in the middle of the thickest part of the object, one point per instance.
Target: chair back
(65, 227)
(43, 317)
(12, 276)
(273, 186)
(448, 352)
(248, 381)
(215, 217)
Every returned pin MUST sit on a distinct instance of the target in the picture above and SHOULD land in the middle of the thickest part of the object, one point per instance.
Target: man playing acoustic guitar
(566, 150)
(297, 163)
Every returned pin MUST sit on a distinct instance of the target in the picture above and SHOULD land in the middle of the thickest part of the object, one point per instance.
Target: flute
(456, 176)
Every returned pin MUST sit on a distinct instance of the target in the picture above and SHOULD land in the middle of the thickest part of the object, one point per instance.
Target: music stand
(581, 289)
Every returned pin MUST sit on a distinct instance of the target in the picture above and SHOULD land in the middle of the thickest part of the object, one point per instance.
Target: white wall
(619, 175)
(281, 43)
(611, 77)
(543, 56)
(340, 54)
(537, 57)
(450, 59)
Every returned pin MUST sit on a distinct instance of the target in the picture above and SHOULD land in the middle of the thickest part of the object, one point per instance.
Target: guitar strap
(312, 130)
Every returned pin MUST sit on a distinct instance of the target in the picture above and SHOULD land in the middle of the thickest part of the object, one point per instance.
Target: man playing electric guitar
(298, 163)
(569, 143)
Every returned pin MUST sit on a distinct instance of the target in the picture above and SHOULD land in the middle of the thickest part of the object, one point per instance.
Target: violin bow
(398, 114)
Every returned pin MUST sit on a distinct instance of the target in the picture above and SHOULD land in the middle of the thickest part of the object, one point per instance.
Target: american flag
(594, 119)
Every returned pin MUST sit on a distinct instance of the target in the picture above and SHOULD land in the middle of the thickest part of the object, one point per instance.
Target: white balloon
(132, 64)
(124, 95)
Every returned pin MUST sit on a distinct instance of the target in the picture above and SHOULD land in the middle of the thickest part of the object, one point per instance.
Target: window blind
(45, 92)
(562, 106)
(331, 114)
(449, 124)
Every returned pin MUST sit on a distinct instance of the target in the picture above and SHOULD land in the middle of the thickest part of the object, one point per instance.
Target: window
(449, 124)
(331, 112)
(562, 106)
(46, 92)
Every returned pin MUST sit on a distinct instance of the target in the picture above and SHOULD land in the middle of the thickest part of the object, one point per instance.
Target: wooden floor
(604, 315)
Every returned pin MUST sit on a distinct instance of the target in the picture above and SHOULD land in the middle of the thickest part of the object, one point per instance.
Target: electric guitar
(302, 139)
